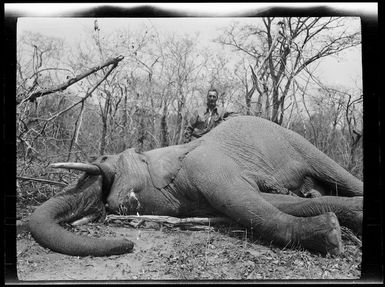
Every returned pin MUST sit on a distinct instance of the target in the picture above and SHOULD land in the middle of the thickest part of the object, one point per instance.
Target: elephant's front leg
(347, 209)
(229, 193)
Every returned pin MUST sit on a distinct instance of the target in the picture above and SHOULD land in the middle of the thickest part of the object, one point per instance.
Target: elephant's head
(86, 199)
(122, 183)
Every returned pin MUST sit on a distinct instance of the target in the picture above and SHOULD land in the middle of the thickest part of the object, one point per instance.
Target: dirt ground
(170, 253)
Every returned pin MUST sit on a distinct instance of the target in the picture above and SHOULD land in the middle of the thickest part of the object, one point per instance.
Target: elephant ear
(164, 163)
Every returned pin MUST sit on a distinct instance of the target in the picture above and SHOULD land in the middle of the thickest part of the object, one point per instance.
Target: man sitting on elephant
(205, 118)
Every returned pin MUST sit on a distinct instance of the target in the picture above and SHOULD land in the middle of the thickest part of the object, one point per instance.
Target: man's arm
(228, 114)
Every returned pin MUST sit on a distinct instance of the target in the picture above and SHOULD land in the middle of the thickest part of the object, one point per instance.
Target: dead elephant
(242, 169)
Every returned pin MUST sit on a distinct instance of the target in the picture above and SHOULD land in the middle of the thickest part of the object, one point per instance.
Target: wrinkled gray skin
(243, 169)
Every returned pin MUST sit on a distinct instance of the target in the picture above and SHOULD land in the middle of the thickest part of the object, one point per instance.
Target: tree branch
(41, 180)
(87, 95)
(65, 85)
(169, 219)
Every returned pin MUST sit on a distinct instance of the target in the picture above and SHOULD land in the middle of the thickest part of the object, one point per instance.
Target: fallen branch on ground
(41, 180)
(347, 234)
(169, 219)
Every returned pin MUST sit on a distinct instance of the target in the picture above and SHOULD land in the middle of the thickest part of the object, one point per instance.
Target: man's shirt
(202, 121)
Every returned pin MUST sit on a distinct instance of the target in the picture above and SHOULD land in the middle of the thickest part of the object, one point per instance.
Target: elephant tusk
(89, 168)
(84, 220)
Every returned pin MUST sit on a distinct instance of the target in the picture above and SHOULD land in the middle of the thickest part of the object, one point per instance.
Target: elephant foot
(352, 215)
(321, 233)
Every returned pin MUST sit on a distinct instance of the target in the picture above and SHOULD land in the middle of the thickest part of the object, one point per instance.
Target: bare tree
(179, 65)
(38, 63)
(37, 68)
(332, 121)
(280, 48)
(122, 97)
(220, 76)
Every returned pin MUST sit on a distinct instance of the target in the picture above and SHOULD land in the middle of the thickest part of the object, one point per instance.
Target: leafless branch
(41, 180)
(65, 85)
(169, 219)
(86, 96)
(75, 136)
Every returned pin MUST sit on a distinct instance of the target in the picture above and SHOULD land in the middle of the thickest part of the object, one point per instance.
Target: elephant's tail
(326, 171)
(337, 179)
(46, 229)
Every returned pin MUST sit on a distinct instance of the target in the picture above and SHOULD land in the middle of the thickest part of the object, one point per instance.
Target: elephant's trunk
(69, 206)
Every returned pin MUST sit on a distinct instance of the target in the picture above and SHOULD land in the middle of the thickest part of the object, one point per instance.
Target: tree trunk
(275, 98)
(180, 139)
(124, 146)
(248, 95)
(75, 136)
(142, 129)
(353, 154)
(180, 119)
(282, 100)
(248, 103)
(163, 127)
(103, 138)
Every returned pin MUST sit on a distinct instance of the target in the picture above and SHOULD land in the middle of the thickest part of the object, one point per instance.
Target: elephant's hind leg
(229, 193)
(347, 209)
(243, 204)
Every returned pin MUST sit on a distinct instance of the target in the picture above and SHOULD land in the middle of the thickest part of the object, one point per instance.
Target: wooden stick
(169, 219)
(41, 180)
(346, 233)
